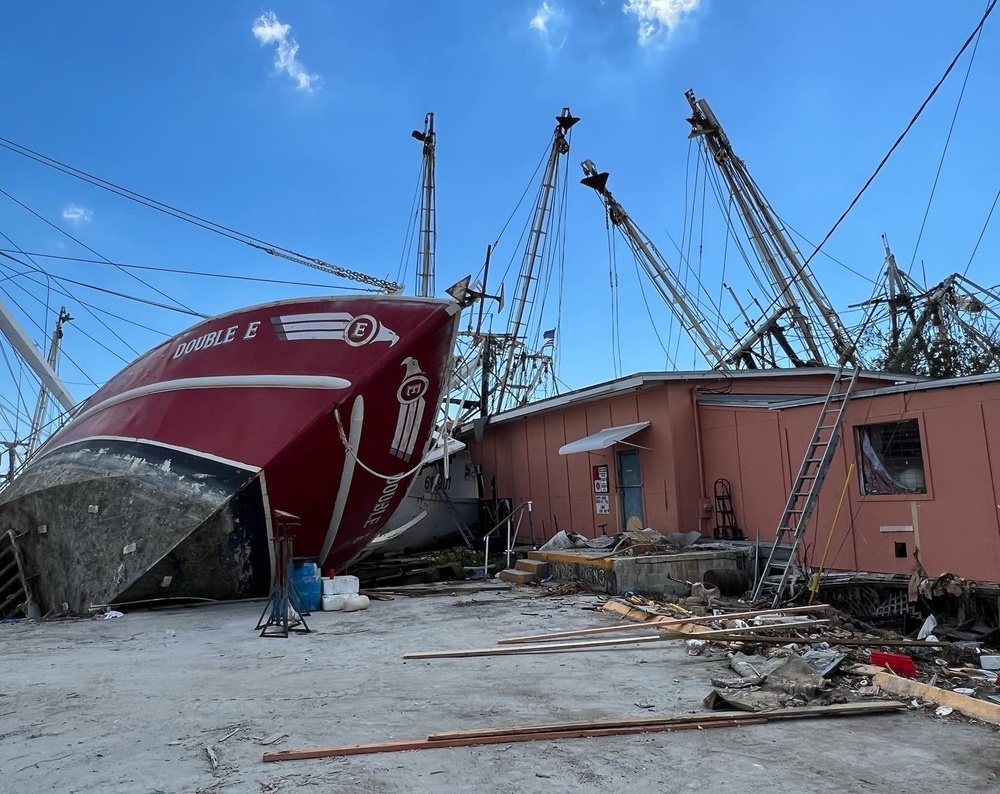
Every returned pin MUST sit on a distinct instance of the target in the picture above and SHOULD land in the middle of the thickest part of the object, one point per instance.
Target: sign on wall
(600, 479)
(602, 505)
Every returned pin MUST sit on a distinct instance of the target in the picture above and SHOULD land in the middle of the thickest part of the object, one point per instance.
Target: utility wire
(981, 233)
(944, 152)
(798, 271)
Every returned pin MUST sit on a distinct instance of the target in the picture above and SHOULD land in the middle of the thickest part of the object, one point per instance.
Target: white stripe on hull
(346, 477)
(220, 382)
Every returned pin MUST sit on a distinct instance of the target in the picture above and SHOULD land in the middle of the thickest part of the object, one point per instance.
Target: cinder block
(515, 576)
(537, 567)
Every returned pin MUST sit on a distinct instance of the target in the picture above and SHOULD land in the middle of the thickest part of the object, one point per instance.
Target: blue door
(630, 488)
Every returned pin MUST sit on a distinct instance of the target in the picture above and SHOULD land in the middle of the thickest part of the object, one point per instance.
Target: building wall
(520, 457)
(957, 527)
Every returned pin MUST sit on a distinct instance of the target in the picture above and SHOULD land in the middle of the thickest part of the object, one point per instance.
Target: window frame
(857, 429)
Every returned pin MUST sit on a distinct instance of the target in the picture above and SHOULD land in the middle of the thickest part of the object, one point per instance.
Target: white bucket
(341, 584)
(355, 603)
(335, 603)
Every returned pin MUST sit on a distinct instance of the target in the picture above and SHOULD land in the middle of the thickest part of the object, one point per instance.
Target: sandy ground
(129, 705)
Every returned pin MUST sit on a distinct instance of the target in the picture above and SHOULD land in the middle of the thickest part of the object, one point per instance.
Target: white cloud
(551, 24)
(76, 214)
(267, 29)
(655, 16)
(540, 21)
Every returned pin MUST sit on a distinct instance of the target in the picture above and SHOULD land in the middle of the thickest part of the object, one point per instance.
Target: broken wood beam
(877, 642)
(552, 647)
(598, 728)
(475, 741)
(835, 710)
(656, 623)
(969, 706)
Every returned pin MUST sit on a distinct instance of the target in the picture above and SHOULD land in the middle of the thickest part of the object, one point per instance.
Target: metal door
(630, 488)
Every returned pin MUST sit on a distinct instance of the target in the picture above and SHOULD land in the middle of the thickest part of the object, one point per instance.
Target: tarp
(602, 439)
(437, 452)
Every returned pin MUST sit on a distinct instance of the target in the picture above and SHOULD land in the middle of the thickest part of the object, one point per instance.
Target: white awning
(603, 439)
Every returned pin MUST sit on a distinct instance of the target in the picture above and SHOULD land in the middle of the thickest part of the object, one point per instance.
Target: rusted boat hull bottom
(119, 521)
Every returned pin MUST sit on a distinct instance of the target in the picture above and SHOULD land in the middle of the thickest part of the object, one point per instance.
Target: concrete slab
(650, 574)
(129, 705)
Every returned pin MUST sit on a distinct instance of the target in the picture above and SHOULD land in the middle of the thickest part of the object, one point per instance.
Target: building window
(892, 460)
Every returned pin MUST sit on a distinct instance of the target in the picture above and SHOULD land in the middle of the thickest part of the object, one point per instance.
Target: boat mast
(791, 278)
(12, 329)
(426, 248)
(516, 336)
(35, 434)
(666, 282)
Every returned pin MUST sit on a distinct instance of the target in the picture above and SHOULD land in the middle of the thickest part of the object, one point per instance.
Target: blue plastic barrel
(308, 586)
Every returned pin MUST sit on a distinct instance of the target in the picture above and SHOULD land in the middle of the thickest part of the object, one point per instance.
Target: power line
(944, 152)
(798, 271)
(981, 233)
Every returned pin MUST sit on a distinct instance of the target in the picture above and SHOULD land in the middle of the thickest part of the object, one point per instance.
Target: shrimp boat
(164, 484)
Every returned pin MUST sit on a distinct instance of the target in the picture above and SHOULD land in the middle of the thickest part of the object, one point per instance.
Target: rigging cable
(44, 333)
(613, 284)
(176, 271)
(649, 312)
(196, 220)
(62, 231)
(411, 227)
(91, 310)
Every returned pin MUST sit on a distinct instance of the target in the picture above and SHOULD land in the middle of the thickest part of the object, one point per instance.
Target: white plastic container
(335, 602)
(355, 603)
(327, 585)
(349, 585)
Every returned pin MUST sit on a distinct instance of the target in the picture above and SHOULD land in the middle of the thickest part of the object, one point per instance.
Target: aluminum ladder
(807, 486)
(456, 519)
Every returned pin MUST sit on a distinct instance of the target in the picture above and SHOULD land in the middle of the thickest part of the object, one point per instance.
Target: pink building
(651, 447)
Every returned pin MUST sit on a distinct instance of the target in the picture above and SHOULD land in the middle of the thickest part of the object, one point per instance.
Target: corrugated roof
(643, 379)
(925, 384)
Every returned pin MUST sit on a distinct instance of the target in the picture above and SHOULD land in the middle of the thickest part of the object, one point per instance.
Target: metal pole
(559, 147)
(428, 215)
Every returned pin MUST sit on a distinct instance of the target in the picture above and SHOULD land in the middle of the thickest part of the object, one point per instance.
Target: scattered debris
(212, 757)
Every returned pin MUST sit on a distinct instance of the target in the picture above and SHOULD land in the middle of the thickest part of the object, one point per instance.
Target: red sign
(600, 478)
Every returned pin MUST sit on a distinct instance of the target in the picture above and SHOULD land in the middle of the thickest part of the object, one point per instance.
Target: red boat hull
(320, 408)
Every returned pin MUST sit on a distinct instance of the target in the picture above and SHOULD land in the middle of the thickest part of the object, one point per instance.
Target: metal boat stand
(283, 618)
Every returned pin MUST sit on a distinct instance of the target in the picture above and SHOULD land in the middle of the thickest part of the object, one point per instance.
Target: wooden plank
(549, 647)
(553, 647)
(620, 727)
(868, 643)
(475, 741)
(557, 635)
(835, 710)
(984, 710)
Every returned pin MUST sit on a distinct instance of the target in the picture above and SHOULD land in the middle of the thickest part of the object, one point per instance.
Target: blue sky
(183, 102)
